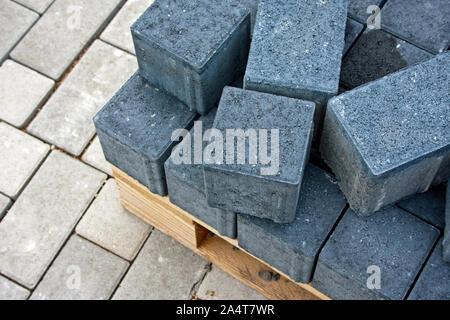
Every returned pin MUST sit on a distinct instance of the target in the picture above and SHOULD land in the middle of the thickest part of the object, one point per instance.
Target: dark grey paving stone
(446, 243)
(434, 281)
(357, 9)
(394, 241)
(186, 183)
(286, 60)
(192, 49)
(377, 54)
(267, 189)
(135, 129)
(389, 139)
(352, 30)
(293, 248)
(421, 22)
(429, 206)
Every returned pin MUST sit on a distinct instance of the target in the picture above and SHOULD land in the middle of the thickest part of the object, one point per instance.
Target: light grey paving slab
(5, 202)
(219, 285)
(62, 33)
(164, 269)
(118, 31)
(36, 5)
(12, 291)
(66, 119)
(42, 218)
(15, 22)
(82, 271)
(95, 157)
(109, 225)
(22, 91)
(21, 155)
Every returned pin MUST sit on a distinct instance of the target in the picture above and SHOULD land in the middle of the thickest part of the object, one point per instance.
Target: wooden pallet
(223, 252)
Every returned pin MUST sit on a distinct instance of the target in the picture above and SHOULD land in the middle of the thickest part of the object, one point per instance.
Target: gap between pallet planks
(195, 234)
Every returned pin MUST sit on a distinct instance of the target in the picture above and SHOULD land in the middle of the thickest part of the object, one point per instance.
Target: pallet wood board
(205, 241)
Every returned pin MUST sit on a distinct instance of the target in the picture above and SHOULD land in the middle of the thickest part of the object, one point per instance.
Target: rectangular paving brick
(5, 203)
(219, 285)
(293, 248)
(21, 155)
(421, 22)
(246, 183)
(12, 291)
(19, 105)
(118, 31)
(352, 30)
(400, 145)
(44, 215)
(391, 246)
(194, 50)
(135, 129)
(186, 183)
(429, 206)
(62, 33)
(66, 119)
(15, 22)
(286, 60)
(163, 270)
(377, 54)
(433, 282)
(446, 243)
(109, 225)
(95, 157)
(36, 5)
(82, 271)
(357, 9)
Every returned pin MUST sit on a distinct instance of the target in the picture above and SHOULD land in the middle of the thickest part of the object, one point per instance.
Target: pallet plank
(204, 240)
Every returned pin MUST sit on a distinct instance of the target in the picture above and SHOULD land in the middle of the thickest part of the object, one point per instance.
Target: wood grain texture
(205, 241)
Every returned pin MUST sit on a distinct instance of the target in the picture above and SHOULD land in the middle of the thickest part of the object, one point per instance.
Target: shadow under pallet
(205, 241)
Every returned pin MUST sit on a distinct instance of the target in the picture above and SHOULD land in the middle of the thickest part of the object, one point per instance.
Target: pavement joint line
(346, 208)
(14, 281)
(420, 218)
(8, 54)
(27, 181)
(117, 47)
(65, 242)
(24, 6)
(196, 286)
(131, 263)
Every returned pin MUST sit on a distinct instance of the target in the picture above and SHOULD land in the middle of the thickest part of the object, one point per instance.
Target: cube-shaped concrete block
(267, 140)
(433, 282)
(374, 258)
(186, 183)
(390, 139)
(423, 23)
(192, 49)
(135, 129)
(297, 49)
(352, 30)
(377, 54)
(293, 248)
(446, 242)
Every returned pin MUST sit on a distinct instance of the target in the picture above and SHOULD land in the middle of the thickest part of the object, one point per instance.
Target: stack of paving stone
(356, 203)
